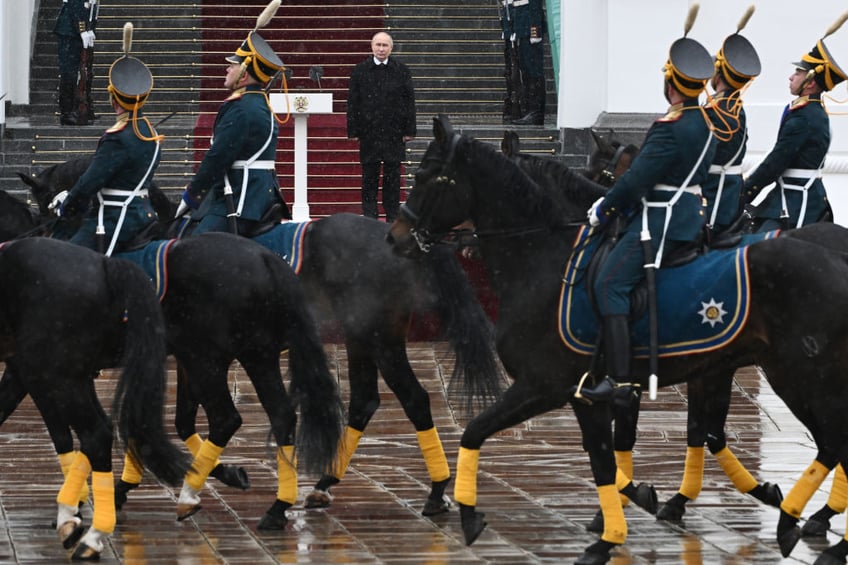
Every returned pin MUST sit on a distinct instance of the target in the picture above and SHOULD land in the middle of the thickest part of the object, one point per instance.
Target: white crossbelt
(692, 189)
(722, 171)
(263, 165)
(810, 174)
(245, 166)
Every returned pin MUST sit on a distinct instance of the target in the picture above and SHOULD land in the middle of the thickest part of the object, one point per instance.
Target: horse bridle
(608, 172)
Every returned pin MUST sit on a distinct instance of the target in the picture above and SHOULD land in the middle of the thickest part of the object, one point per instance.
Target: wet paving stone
(534, 486)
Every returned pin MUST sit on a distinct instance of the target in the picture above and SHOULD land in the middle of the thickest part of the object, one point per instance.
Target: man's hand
(595, 213)
(87, 39)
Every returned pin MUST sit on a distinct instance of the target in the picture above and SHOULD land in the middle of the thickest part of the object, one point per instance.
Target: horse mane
(521, 189)
(563, 181)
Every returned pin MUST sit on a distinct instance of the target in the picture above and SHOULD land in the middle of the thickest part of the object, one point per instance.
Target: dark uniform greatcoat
(729, 154)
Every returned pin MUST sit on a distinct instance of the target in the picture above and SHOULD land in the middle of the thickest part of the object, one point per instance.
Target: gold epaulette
(673, 114)
(802, 101)
(122, 122)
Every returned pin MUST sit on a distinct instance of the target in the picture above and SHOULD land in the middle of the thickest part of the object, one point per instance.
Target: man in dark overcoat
(381, 115)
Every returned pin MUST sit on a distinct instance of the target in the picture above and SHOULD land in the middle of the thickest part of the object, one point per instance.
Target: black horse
(794, 328)
(353, 280)
(225, 299)
(67, 312)
(708, 399)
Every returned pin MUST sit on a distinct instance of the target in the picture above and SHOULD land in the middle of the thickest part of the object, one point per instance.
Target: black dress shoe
(530, 119)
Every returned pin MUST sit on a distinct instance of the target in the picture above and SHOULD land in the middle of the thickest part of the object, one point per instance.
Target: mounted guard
(786, 190)
(112, 193)
(659, 199)
(235, 187)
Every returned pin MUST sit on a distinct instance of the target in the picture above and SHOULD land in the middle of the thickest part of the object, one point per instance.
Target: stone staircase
(454, 51)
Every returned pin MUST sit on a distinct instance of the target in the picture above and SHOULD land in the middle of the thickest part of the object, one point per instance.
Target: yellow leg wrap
(465, 490)
(615, 527)
(132, 472)
(65, 461)
(693, 473)
(735, 471)
(203, 464)
(434, 455)
(347, 447)
(103, 485)
(803, 490)
(838, 499)
(77, 474)
(286, 474)
(624, 462)
(193, 443)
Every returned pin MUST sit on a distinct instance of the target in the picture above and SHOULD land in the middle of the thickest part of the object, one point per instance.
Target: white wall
(16, 36)
(614, 50)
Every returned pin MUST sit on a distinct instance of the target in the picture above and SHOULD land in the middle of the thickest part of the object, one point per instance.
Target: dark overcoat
(381, 109)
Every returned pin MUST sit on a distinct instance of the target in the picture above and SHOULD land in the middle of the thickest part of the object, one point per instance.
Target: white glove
(181, 209)
(87, 39)
(56, 204)
(592, 213)
(535, 40)
(512, 38)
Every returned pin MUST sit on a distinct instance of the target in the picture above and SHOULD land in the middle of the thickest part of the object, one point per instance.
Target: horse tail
(138, 405)
(312, 386)
(476, 375)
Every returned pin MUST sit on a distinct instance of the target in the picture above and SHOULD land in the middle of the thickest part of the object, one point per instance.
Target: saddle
(251, 228)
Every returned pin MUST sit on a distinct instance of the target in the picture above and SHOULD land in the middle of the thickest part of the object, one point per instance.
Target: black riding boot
(535, 115)
(617, 354)
(68, 115)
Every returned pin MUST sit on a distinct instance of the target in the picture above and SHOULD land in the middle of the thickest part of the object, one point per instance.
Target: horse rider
(235, 187)
(786, 190)
(660, 196)
(112, 192)
(737, 63)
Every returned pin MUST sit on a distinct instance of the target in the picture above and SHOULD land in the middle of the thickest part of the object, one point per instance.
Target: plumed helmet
(130, 81)
(254, 54)
(820, 64)
(737, 60)
(689, 64)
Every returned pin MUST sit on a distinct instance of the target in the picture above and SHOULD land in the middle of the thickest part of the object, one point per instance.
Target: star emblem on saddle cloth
(712, 312)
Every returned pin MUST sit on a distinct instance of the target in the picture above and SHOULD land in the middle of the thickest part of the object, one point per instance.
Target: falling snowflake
(712, 312)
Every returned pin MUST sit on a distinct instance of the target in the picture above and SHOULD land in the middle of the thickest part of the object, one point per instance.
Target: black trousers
(391, 188)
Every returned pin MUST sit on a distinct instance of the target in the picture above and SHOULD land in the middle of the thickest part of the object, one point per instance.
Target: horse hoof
(771, 495)
(646, 498)
(187, 510)
(318, 499)
(70, 533)
(833, 555)
(269, 522)
(436, 507)
(674, 509)
(122, 488)
(596, 554)
(788, 540)
(231, 475)
(85, 553)
(815, 528)
(473, 523)
(597, 524)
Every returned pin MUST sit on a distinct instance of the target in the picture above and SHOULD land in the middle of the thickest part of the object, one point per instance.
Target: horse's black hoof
(646, 498)
(436, 507)
(85, 553)
(788, 540)
(275, 517)
(231, 475)
(597, 524)
(473, 523)
(814, 528)
(596, 554)
(674, 509)
(122, 488)
(318, 499)
(70, 533)
(768, 493)
(834, 555)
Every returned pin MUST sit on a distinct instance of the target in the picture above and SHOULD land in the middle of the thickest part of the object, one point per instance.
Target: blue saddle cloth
(286, 240)
(701, 306)
(153, 258)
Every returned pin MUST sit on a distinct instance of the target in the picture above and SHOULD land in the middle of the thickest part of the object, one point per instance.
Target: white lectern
(300, 105)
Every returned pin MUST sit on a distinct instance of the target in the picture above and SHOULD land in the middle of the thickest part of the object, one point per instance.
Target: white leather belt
(692, 189)
(802, 173)
(520, 2)
(123, 193)
(254, 165)
(732, 170)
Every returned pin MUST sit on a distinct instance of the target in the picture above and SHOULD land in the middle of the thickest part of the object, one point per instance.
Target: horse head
(609, 160)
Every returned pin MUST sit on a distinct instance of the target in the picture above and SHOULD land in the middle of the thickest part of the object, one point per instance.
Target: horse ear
(601, 143)
(442, 129)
